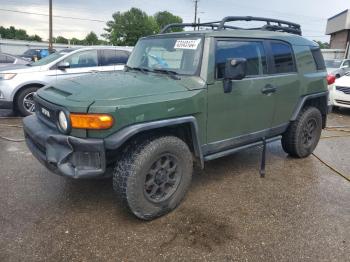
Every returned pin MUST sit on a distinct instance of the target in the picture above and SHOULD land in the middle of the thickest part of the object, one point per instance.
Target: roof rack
(271, 25)
(212, 25)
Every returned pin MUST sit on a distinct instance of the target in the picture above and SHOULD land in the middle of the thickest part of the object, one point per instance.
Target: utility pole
(195, 10)
(50, 25)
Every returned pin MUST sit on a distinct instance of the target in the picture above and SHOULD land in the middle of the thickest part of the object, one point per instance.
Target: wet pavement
(299, 212)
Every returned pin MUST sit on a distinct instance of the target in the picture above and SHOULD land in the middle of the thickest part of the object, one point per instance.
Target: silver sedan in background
(8, 60)
(18, 84)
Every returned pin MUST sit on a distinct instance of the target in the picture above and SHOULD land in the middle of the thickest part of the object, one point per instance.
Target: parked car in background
(339, 92)
(18, 84)
(7, 60)
(36, 54)
(337, 67)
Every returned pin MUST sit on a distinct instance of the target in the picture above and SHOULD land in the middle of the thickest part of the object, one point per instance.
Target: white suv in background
(19, 83)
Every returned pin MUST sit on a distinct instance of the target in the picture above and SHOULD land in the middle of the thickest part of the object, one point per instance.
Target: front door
(247, 112)
(81, 63)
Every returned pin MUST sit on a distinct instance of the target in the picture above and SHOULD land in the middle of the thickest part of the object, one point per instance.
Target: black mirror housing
(63, 65)
(235, 69)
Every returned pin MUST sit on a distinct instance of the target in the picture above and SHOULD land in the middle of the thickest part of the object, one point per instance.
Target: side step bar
(237, 149)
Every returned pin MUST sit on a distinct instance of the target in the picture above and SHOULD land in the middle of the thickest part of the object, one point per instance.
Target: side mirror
(235, 69)
(63, 65)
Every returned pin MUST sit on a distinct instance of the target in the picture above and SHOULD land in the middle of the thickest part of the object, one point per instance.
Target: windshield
(179, 55)
(31, 52)
(50, 58)
(332, 63)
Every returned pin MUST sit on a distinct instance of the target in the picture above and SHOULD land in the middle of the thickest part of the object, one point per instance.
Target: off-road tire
(131, 172)
(20, 98)
(293, 140)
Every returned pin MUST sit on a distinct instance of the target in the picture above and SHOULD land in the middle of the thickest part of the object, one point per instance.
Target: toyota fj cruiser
(184, 97)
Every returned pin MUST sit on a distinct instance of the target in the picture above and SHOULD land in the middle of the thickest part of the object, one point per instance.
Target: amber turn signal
(91, 121)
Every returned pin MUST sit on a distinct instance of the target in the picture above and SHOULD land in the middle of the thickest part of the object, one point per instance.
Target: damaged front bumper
(63, 154)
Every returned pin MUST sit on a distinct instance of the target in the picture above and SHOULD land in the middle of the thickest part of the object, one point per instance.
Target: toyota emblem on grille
(45, 112)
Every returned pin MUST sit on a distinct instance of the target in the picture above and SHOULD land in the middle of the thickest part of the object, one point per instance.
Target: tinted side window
(346, 63)
(252, 51)
(83, 59)
(318, 58)
(283, 58)
(113, 57)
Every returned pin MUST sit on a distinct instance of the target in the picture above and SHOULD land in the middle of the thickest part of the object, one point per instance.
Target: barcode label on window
(187, 44)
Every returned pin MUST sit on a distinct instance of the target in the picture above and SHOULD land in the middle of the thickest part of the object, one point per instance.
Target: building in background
(338, 27)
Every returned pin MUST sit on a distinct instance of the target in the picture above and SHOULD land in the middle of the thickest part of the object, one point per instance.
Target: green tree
(19, 34)
(61, 40)
(76, 41)
(126, 28)
(91, 39)
(323, 45)
(164, 18)
(35, 38)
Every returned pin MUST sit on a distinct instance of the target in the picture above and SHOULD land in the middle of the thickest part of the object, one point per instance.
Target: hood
(343, 81)
(18, 69)
(116, 86)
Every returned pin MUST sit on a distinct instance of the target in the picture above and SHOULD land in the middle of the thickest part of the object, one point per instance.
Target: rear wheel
(152, 177)
(303, 134)
(25, 101)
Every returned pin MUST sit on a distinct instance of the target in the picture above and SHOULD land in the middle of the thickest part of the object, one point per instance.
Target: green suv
(184, 97)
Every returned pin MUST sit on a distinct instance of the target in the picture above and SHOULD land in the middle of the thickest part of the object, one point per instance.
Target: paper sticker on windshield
(187, 44)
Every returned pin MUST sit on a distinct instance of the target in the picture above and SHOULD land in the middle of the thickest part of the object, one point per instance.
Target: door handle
(268, 89)
(94, 71)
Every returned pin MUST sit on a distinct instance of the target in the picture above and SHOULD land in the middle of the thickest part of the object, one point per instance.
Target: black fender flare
(305, 98)
(117, 139)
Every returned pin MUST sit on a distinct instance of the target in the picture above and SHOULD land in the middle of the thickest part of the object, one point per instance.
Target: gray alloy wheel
(25, 101)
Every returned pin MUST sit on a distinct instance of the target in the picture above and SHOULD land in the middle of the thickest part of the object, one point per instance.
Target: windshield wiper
(172, 74)
(141, 69)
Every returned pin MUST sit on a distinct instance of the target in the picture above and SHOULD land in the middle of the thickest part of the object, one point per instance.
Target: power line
(56, 16)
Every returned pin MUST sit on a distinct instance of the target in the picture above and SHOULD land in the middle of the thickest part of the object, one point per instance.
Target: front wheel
(152, 177)
(303, 134)
(25, 101)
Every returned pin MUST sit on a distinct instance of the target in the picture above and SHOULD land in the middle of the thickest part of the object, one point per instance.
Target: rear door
(247, 112)
(286, 80)
(81, 63)
(112, 59)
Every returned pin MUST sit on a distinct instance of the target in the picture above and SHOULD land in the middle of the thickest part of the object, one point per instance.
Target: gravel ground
(299, 212)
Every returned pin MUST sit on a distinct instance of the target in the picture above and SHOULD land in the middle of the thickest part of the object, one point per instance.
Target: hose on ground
(11, 139)
(331, 168)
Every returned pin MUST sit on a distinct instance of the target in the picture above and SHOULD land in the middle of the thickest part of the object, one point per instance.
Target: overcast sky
(311, 14)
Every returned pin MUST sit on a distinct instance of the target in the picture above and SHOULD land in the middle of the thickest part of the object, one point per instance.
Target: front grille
(46, 111)
(343, 102)
(343, 89)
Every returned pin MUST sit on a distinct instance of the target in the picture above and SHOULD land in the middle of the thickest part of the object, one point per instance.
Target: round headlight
(63, 121)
